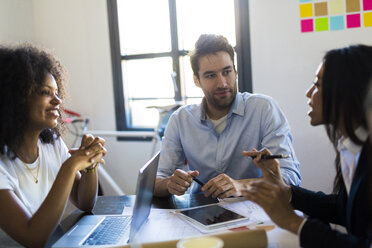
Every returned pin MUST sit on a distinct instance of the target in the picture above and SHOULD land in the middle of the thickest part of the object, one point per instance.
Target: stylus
(198, 181)
(264, 156)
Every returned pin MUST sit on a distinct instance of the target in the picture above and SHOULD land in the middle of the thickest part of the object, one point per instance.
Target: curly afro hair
(23, 69)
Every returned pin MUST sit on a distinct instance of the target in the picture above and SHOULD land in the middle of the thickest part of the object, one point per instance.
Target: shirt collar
(237, 107)
(348, 144)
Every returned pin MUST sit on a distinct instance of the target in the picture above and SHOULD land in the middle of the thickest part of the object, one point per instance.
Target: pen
(264, 156)
(198, 181)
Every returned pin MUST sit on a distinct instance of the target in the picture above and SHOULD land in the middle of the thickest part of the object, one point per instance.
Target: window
(150, 41)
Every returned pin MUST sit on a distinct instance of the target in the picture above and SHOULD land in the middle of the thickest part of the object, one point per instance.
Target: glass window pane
(196, 17)
(189, 88)
(144, 26)
(193, 100)
(145, 117)
(148, 78)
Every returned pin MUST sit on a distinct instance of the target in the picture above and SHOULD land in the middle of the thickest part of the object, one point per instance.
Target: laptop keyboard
(109, 231)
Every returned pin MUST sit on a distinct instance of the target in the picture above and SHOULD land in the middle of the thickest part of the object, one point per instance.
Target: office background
(283, 64)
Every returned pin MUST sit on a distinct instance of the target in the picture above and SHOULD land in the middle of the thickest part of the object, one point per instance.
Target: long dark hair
(346, 76)
(23, 69)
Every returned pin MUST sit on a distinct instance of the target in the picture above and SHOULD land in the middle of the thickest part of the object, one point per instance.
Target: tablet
(210, 216)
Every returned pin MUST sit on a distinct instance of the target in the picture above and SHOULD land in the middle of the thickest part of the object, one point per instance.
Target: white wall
(284, 61)
(15, 21)
(79, 34)
(284, 64)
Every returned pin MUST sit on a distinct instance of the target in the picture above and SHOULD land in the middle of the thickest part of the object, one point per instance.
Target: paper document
(244, 207)
(163, 225)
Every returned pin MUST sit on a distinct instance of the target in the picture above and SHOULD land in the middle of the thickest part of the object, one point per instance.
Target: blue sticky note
(336, 23)
(305, 1)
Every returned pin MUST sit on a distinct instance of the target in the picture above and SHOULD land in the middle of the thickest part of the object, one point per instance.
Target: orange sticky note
(320, 9)
(352, 6)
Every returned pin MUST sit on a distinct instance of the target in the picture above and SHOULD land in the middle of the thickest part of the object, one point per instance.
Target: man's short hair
(209, 44)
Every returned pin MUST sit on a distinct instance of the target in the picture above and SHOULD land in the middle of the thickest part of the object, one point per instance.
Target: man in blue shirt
(206, 140)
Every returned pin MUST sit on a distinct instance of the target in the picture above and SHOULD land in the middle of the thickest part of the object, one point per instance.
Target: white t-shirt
(15, 176)
(220, 124)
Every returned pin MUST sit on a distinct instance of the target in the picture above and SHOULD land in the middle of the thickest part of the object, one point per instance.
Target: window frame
(243, 53)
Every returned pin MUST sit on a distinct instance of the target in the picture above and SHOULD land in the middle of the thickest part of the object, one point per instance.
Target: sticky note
(307, 25)
(306, 10)
(320, 9)
(321, 24)
(336, 23)
(353, 21)
(336, 7)
(305, 1)
(367, 5)
(352, 6)
(367, 16)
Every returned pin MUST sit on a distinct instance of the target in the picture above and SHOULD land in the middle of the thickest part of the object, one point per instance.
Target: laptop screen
(144, 194)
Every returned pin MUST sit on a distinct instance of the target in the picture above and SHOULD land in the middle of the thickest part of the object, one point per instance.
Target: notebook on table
(115, 230)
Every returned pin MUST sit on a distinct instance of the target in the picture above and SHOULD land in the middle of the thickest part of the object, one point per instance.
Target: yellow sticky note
(367, 16)
(306, 10)
(336, 7)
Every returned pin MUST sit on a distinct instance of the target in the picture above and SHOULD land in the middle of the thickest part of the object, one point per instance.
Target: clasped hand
(90, 152)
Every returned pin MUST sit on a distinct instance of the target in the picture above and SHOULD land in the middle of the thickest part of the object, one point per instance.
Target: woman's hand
(271, 192)
(270, 167)
(274, 200)
(90, 152)
(88, 140)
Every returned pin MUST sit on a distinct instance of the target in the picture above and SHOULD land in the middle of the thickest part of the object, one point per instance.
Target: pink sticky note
(353, 21)
(307, 25)
(367, 4)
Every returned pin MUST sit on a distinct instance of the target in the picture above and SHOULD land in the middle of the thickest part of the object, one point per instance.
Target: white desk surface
(165, 224)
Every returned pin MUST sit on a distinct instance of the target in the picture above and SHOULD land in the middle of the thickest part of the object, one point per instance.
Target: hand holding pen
(265, 154)
(198, 181)
(180, 181)
(267, 163)
(276, 156)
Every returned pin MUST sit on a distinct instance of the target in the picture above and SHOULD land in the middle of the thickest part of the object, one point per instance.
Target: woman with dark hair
(37, 174)
(337, 101)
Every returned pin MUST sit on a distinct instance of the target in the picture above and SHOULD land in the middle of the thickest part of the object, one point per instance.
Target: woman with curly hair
(336, 99)
(37, 173)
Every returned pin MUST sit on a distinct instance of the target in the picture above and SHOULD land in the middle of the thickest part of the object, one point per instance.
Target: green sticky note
(321, 24)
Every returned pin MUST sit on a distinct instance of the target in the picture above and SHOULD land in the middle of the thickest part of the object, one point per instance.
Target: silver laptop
(115, 230)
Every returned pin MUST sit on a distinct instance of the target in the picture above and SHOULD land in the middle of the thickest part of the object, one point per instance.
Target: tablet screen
(212, 215)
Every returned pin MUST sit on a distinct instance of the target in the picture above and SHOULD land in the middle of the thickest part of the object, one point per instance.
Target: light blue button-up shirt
(254, 121)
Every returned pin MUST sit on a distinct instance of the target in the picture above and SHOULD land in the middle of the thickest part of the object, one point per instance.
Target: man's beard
(223, 103)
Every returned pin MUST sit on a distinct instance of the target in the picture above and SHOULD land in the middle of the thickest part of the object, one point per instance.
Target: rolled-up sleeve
(172, 156)
(278, 139)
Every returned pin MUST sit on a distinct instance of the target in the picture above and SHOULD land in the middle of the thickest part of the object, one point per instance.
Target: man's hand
(222, 186)
(180, 181)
